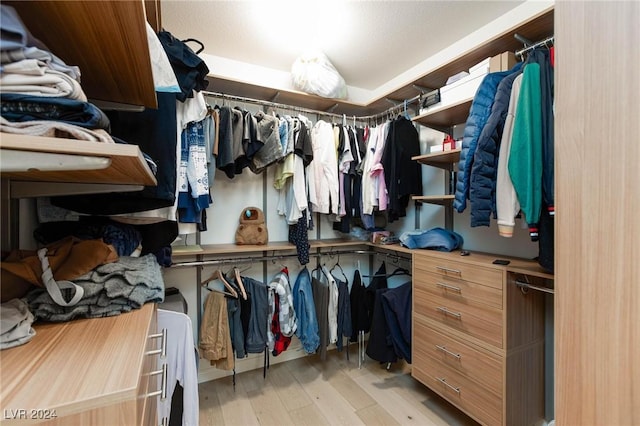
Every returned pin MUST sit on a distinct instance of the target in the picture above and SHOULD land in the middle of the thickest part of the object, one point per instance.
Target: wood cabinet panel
(481, 322)
(458, 289)
(89, 370)
(447, 268)
(597, 302)
(476, 364)
(107, 40)
(485, 337)
(475, 400)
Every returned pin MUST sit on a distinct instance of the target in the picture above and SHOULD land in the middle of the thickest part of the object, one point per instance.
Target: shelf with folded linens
(99, 38)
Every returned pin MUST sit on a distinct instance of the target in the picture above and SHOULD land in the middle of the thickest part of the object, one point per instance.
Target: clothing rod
(523, 284)
(308, 110)
(393, 257)
(263, 258)
(545, 42)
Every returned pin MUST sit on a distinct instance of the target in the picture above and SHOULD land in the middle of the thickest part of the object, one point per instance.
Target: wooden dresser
(478, 339)
(84, 372)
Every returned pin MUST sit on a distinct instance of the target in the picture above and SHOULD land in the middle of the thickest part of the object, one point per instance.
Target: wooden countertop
(75, 366)
(516, 265)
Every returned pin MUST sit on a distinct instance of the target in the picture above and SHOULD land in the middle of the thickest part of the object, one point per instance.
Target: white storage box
(481, 67)
(460, 90)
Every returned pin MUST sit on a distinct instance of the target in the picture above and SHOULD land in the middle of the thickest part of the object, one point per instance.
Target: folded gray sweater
(109, 290)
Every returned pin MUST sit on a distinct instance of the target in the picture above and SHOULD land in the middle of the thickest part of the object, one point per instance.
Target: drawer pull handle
(445, 311)
(455, 389)
(449, 287)
(163, 389)
(163, 348)
(165, 422)
(448, 352)
(449, 270)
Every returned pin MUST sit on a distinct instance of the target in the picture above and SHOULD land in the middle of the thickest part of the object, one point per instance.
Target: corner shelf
(277, 246)
(441, 159)
(444, 160)
(442, 117)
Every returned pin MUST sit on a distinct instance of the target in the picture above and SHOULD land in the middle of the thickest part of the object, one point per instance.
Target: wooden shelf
(278, 246)
(107, 40)
(126, 166)
(443, 159)
(444, 117)
(441, 200)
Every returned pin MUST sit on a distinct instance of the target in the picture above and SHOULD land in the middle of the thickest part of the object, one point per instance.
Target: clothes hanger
(399, 271)
(217, 275)
(405, 113)
(337, 265)
(236, 272)
(319, 268)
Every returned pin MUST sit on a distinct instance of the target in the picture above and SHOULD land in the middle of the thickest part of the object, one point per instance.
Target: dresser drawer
(460, 270)
(475, 400)
(458, 289)
(482, 322)
(482, 367)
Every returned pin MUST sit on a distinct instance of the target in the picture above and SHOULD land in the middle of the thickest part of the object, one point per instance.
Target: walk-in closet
(361, 213)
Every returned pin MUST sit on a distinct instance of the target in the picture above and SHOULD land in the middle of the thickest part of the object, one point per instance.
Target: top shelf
(537, 27)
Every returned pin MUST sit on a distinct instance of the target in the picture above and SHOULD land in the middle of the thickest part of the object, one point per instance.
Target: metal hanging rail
(524, 285)
(546, 42)
(398, 106)
(255, 259)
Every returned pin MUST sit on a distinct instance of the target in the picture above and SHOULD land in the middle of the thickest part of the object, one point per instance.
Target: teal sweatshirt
(525, 158)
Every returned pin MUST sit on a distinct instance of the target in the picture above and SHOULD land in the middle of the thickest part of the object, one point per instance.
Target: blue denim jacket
(434, 239)
(304, 307)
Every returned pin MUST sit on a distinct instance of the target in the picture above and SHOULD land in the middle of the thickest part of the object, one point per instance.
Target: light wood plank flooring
(308, 391)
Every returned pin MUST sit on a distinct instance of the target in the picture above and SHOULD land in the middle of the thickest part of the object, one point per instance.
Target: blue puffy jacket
(482, 183)
(478, 116)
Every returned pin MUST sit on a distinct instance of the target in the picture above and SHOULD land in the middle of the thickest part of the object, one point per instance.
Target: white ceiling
(369, 42)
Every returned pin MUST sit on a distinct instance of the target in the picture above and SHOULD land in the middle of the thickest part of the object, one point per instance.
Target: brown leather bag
(252, 228)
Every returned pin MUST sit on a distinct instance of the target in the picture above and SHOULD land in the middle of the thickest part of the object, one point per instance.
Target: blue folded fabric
(433, 239)
(18, 107)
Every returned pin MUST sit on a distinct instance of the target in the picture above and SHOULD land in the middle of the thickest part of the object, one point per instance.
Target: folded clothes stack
(15, 324)
(109, 290)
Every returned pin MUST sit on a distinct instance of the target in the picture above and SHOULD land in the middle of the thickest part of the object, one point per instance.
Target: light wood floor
(307, 391)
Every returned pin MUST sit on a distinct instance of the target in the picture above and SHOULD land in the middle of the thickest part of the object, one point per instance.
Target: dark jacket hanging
(402, 175)
(380, 347)
(359, 317)
(396, 304)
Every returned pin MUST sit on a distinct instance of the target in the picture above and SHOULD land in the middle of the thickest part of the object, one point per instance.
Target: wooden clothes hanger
(217, 275)
(236, 273)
